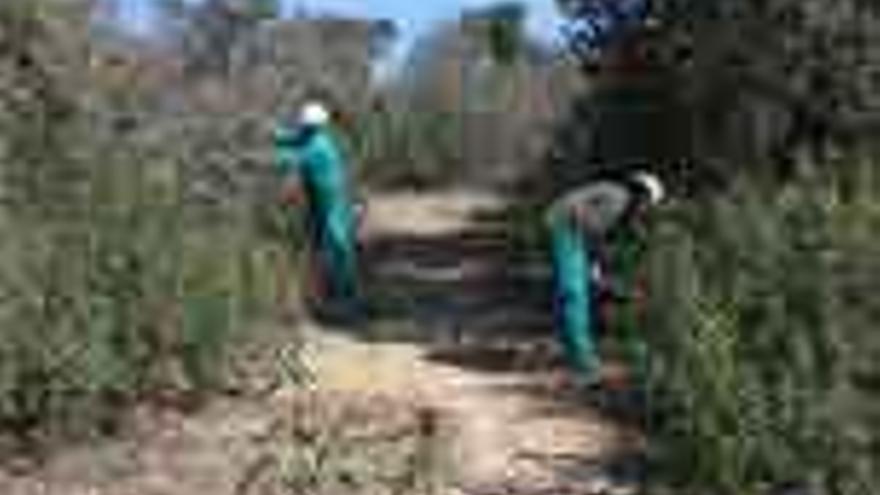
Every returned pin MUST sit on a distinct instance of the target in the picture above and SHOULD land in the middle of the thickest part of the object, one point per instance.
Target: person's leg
(632, 322)
(316, 276)
(635, 346)
(340, 253)
(629, 400)
(315, 288)
(573, 299)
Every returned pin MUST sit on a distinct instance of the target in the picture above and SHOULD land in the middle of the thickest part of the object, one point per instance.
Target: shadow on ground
(473, 286)
(478, 298)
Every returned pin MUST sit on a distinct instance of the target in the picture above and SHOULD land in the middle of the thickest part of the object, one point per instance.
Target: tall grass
(764, 356)
(138, 294)
(125, 267)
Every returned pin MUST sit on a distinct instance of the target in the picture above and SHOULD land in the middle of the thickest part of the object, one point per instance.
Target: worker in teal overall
(310, 161)
(580, 223)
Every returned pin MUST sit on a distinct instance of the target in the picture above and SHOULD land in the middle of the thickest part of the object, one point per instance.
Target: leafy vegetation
(761, 340)
(760, 314)
(139, 241)
(121, 274)
(139, 244)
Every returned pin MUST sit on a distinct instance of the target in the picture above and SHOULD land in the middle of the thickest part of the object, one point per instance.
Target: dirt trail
(466, 336)
(487, 365)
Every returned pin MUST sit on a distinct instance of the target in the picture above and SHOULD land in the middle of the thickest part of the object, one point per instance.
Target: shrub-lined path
(460, 329)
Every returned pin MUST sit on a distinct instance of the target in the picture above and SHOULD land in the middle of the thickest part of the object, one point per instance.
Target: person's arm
(596, 207)
(287, 166)
(284, 142)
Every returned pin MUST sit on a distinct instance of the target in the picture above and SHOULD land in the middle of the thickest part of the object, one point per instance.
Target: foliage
(136, 170)
(760, 320)
(755, 85)
(128, 264)
(761, 336)
(471, 103)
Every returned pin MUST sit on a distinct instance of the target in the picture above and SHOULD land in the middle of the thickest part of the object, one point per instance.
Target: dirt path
(482, 353)
(462, 330)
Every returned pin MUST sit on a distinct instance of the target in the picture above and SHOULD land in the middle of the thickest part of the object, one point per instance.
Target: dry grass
(348, 442)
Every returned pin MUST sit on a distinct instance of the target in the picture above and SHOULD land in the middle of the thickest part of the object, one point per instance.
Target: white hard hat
(314, 113)
(652, 184)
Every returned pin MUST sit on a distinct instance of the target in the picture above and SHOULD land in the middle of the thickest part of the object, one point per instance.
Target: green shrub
(761, 336)
(125, 267)
(407, 147)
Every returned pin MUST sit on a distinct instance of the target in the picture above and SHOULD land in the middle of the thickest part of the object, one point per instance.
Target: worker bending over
(580, 222)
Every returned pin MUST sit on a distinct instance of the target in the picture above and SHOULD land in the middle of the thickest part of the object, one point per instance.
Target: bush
(125, 267)
(404, 147)
(128, 300)
(761, 336)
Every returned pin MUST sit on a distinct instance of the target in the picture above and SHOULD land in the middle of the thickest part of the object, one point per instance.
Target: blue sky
(413, 17)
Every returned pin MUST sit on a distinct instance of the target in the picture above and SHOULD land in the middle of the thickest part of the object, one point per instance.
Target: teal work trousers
(573, 297)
